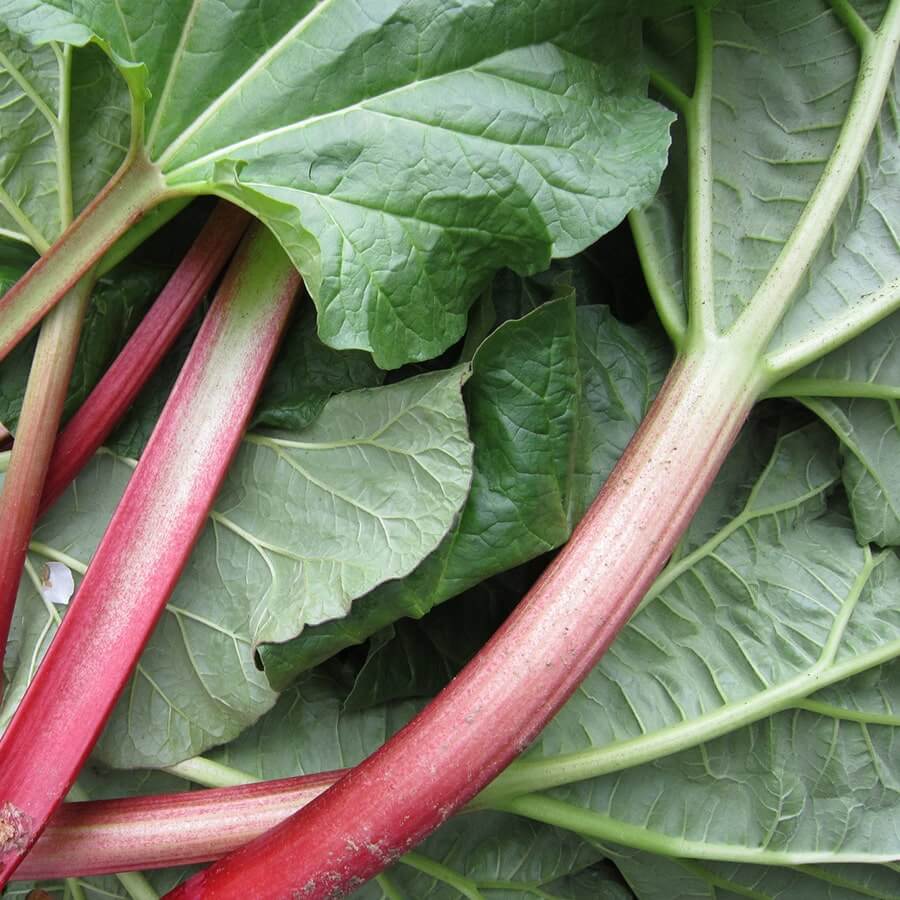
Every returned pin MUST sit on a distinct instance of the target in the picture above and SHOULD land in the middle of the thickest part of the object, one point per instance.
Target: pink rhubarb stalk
(152, 339)
(102, 837)
(146, 545)
(505, 696)
(45, 395)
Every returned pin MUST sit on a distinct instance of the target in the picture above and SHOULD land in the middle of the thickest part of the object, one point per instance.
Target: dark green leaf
(553, 400)
(401, 156)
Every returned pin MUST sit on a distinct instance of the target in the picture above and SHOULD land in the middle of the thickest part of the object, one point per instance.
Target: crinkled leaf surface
(782, 79)
(553, 400)
(358, 497)
(696, 710)
(51, 164)
(376, 482)
(870, 442)
(401, 152)
(660, 878)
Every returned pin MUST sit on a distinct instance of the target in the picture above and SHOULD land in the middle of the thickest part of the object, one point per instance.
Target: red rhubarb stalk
(146, 545)
(45, 395)
(32, 464)
(116, 391)
(101, 837)
(503, 698)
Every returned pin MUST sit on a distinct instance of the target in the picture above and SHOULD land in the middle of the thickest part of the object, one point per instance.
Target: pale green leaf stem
(209, 773)
(551, 811)
(699, 242)
(441, 873)
(782, 362)
(668, 307)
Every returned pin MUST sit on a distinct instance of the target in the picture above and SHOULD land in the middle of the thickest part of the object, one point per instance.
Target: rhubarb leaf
(53, 162)
(378, 481)
(782, 78)
(553, 400)
(360, 496)
(690, 712)
(306, 373)
(662, 878)
(870, 448)
(401, 156)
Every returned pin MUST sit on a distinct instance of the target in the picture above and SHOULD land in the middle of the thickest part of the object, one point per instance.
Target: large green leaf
(696, 712)
(358, 497)
(402, 154)
(378, 481)
(553, 400)
(781, 80)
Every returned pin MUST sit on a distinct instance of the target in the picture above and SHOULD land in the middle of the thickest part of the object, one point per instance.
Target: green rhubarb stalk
(45, 396)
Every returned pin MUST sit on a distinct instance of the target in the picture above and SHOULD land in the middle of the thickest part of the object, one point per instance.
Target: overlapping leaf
(553, 399)
(378, 480)
(401, 153)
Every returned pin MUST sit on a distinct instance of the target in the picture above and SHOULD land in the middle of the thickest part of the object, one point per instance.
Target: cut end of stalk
(15, 829)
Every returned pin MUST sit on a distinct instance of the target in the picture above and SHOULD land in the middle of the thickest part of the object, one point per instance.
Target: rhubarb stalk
(32, 465)
(100, 837)
(502, 699)
(146, 545)
(45, 395)
(136, 188)
(152, 339)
